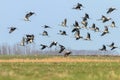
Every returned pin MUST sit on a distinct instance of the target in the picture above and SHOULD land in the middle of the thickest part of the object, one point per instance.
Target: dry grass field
(58, 59)
(34, 58)
(59, 67)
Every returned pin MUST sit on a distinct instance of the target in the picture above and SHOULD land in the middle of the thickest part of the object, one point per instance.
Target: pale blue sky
(52, 13)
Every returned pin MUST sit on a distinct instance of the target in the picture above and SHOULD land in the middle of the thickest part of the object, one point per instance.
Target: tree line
(7, 49)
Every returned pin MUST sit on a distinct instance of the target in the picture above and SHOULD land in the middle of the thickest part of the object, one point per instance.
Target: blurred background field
(45, 56)
(60, 70)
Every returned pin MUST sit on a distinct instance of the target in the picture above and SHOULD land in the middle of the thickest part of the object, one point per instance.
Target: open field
(59, 68)
(57, 59)
(51, 58)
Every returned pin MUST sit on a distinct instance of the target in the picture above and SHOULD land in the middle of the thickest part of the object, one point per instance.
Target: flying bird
(88, 37)
(77, 35)
(87, 16)
(64, 23)
(105, 31)
(104, 19)
(67, 53)
(62, 32)
(111, 9)
(54, 43)
(94, 28)
(44, 33)
(76, 25)
(62, 48)
(12, 29)
(78, 6)
(113, 24)
(103, 48)
(28, 15)
(97, 29)
(29, 38)
(46, 26)
(112, 46)
(43, 46)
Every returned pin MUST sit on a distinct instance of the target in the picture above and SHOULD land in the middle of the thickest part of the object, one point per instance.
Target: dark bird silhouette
(97, 29)
(113, 24)
(111, 9)
(28, 15)
(103, 48)
(67, 53)
(77, 35)
(105, 31)
(64, 23)
(45, 33)
(62, 32)
(78, 6)
(62, 48)
(46, 26)
(76, 25)
(112, 46)
(12, 29)
(43, 46)
(29, 38)
(86, 17)
(54, 43)
(88, 37)
(104, 19)
(94, 28)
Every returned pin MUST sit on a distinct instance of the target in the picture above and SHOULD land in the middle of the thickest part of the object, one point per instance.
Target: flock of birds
(76, 29)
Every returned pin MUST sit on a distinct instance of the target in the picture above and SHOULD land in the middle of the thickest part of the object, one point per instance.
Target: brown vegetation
(56, 59)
